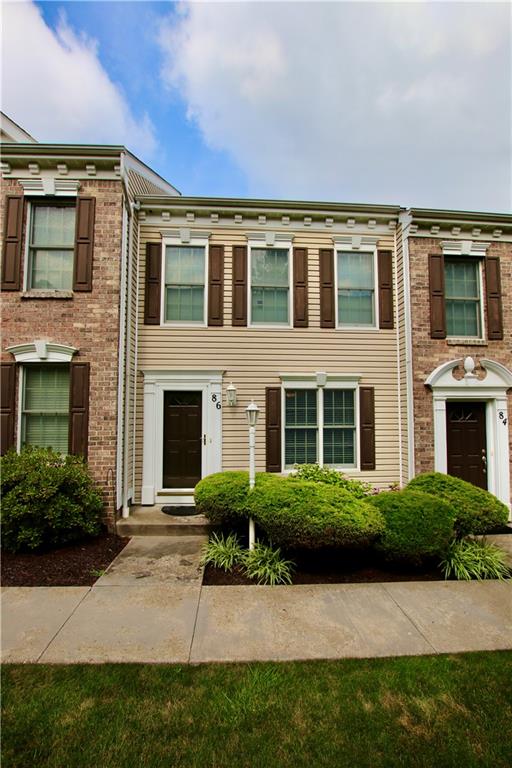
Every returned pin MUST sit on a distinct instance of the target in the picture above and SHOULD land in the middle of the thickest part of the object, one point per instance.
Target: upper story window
(51, 247)
(45, 406)
(185, 281)
(356, 288)
(463, 297)
(270, 286)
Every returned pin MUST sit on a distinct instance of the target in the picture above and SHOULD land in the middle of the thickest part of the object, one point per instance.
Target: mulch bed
(75, 565)
(327, 567)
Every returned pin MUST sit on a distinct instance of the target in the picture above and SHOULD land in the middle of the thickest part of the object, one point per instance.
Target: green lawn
(427, 711)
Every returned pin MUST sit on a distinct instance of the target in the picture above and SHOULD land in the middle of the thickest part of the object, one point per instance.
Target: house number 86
(218, 404)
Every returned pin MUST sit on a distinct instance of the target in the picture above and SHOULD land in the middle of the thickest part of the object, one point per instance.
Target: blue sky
(405, 103)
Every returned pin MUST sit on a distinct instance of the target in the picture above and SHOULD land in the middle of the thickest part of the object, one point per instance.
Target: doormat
(180, 511)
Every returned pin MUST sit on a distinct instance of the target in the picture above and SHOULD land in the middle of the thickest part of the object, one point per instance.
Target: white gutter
(406, 219)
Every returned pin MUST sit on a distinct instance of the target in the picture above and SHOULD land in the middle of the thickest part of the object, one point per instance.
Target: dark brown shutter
(239, 299)
(153, 280)
(385, 259)
(216, 285)
(327, 319)
(7, 405)
(84, 243)
(300, 287)
(437, 305)
(79, 409)
(367, 427)
(13, 234)
(493, 290)
(273, 427)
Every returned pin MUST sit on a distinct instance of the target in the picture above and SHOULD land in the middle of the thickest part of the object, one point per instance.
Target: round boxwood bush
(333, 477)
(222, 497)
(477, 511)
(419, 526)
(47, 500)
(303, 513)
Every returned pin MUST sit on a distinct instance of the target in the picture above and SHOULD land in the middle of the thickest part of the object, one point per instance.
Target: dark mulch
(76, 565)
(333, 567)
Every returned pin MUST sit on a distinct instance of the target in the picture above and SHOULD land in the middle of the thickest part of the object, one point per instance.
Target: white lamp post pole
(252, 412)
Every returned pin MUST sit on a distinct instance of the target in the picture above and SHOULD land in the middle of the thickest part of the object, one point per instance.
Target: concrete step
(151, 521)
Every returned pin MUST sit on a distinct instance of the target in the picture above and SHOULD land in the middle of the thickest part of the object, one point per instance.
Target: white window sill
(466, 342)
(47, 294)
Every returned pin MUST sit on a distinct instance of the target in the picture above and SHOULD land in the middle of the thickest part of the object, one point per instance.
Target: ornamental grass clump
(265, 565)
(475, 559)
(48, 500)
(477, 511)
(224, 552)
(418, 526)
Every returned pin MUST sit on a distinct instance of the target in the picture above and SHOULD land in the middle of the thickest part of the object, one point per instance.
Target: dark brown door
(466, 442)
(182, 439)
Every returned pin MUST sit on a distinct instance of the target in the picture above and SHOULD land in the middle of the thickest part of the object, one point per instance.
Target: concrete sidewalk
(158, 621)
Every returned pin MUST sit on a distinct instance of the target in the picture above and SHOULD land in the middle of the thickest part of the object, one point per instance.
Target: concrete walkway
(150, 607)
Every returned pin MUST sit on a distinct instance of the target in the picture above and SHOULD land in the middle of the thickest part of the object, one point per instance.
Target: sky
(400, 103)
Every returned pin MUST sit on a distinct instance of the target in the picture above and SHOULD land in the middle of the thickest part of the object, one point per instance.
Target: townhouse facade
(138, 324)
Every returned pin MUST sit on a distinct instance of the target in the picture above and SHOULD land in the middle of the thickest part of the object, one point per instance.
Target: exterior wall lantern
(231, 394)
(252, 412)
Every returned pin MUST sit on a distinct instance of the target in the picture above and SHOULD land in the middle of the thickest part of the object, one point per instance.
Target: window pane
(339, 446)
(461, 279)
(269, 267)
(300, 408)
(45, 414)
(269, 305)
(355, 270)
(53, 226)
(339, 407)
(52, 270)
(355, 307)
(184, 265)
(184, 304)
(462, 318)
(300, 447)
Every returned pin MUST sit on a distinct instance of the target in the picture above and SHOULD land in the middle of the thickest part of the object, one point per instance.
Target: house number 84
(502, 418)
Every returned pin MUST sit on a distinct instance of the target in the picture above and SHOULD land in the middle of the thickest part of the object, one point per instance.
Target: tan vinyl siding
(254, 358)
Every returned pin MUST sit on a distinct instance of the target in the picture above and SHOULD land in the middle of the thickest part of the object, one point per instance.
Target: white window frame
(483, 331)
(27, 271)
(341, 247)
(193, 241)
(312, 382)
(284, 245)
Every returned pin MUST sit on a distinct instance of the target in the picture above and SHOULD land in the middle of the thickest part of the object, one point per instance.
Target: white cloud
(54, 85)
(390, 102)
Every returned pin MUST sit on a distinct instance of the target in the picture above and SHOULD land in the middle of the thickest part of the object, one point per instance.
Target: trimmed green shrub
(418, 526)
(477, 511)
(47, 500)
(302, 513)
(265, 565)
(333, 477)
(222, 497)
(475, 559)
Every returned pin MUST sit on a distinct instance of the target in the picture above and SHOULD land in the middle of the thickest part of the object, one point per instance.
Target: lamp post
(252, 412)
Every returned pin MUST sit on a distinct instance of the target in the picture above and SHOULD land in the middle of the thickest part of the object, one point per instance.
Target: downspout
(399, 373)
(121, 358)
(406, 219)
(136, 346)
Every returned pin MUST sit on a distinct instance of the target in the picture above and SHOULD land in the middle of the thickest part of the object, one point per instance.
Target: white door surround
(155, 384)
(492, 389)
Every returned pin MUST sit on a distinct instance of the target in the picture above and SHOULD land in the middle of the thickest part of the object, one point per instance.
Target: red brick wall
(428, 353)
(88, 321)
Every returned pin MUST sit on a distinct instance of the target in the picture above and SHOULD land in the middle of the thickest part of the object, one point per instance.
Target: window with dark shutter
(79, 409)
(493, 294)
(327, 305)
(367, 427)
(153, 282)
(13, 235)
(385, 259)
(273, 428)
(216, 285)
(84, 243)
(300, 287)
(239, 298)
(7, 405)
(437, 300)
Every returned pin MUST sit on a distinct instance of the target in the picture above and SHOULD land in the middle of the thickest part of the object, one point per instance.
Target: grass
(442, 711)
